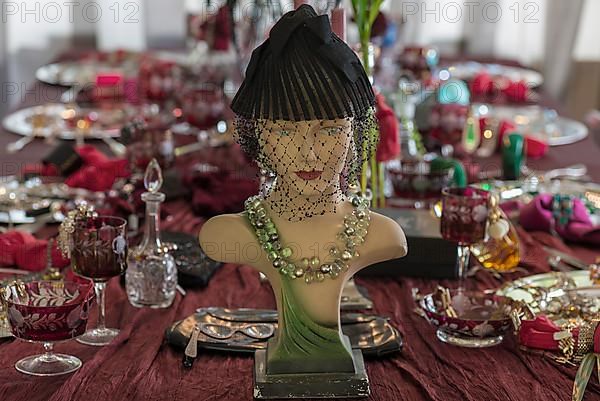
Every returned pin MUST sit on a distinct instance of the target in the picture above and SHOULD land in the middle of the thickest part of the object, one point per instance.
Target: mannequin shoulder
(389, 234)
(225, 232)
(226, 226)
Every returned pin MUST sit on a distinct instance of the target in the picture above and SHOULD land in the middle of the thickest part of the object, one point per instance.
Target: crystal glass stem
(462, 262)
(48, 352)
(99, 288)
(48, 363)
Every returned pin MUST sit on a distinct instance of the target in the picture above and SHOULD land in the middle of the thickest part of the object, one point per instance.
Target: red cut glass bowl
(481, 319)
(48, 310)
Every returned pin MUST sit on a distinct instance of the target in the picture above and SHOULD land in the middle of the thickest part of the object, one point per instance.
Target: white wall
(34, 35)
(122, 25)
(587, 46)
(3, 77)
(2, 39)
(521, 31)
(36, 25)
(430, 22)
(500, 28)
(165, 22)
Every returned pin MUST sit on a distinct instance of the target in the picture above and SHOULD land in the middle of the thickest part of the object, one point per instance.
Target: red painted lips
(309, 175)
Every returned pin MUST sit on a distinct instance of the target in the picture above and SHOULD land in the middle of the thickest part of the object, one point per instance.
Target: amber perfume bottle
(499, 251)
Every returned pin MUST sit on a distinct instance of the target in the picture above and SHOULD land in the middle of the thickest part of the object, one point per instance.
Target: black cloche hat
(303, 71)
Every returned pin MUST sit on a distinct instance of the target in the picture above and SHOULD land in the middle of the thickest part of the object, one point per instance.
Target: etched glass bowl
(47, 312)
(470, 319)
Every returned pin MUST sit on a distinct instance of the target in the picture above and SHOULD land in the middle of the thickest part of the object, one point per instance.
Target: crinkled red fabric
(98, 172)
(24, 251)
(482, 84)
(388, 147)
(516, 91)
(138, 365)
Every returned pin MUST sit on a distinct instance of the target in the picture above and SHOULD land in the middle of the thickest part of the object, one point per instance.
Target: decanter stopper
(153, 179)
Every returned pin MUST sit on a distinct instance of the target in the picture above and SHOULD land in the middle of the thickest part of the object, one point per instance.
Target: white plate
(84, 72)
(69, 73)
(18, 123)
(530, 119)
(468, 69)
(546, 280)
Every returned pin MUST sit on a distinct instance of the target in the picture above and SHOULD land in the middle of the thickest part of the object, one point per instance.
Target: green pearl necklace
(355, 228)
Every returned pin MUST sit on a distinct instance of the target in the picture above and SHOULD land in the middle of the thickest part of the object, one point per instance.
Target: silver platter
(373, 335)
(467, 70)
(108, 124)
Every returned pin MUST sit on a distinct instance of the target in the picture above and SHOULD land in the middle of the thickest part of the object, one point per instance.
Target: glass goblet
(99, 253)
(46, 312)
(464, 219)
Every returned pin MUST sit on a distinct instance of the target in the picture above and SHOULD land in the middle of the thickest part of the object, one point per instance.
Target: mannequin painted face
(307, 156)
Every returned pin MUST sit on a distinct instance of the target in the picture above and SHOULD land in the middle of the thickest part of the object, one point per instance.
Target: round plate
(69, 73)
(568, 131)
(83, 72)
(19, 122)
(515, 290)
(467, 70)
(565, 132)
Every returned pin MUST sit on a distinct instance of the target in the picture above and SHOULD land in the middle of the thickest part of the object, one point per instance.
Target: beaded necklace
(355, 229)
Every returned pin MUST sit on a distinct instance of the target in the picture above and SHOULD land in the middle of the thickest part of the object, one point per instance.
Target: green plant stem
(381, 184)
(374, 190)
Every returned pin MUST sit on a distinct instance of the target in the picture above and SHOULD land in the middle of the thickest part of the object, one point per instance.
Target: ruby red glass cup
(464, 220)
(47, 312)
(99, 253)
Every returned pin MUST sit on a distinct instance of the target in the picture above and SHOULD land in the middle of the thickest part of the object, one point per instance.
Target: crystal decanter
(499, 251)
(151, 277)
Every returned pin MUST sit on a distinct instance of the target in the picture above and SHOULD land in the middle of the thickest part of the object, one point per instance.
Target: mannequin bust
(319, 301)
(309, 234)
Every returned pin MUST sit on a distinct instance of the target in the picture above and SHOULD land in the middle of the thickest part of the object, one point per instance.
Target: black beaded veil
(306, 85)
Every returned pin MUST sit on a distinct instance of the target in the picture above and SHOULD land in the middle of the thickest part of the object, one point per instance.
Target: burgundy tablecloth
(138, 365)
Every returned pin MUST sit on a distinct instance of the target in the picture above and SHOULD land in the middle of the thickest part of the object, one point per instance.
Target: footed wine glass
(46, 312)
(464, 219)
(99, 253)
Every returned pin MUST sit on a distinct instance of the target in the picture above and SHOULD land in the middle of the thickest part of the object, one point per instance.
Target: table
(139, 365)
